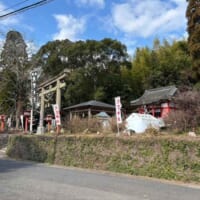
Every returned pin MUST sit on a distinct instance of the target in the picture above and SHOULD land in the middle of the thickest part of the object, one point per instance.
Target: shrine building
(157, 102)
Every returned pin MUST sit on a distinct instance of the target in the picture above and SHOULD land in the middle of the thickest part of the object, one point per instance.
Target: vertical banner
(57, 114)
(118, 107)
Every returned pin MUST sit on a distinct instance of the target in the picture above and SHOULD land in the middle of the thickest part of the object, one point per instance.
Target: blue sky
(136, 23)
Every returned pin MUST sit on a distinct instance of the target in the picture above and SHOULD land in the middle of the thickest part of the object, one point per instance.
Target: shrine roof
(155, 95)
(91, 103)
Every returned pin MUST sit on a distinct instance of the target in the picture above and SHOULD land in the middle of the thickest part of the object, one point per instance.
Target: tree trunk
(19, 111)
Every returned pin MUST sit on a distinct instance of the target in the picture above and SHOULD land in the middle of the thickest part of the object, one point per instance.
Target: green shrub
(36, 148)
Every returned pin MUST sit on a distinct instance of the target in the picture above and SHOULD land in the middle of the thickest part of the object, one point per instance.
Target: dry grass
(187, 116)
(83, 125)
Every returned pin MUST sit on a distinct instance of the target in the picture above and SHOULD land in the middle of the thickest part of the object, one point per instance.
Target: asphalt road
(32, 181)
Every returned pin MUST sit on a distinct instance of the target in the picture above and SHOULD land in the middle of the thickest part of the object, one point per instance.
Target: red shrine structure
(157, 102)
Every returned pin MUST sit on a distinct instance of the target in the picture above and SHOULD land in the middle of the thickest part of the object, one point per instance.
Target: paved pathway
(32, 181)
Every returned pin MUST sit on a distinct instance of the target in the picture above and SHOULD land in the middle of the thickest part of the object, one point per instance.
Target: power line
(25, 8)
(15, 5)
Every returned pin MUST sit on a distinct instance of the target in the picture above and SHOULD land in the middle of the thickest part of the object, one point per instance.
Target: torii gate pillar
(40, 129)
(58, 94)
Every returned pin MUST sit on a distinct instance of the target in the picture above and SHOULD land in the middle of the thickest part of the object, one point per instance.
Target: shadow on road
(7, 165)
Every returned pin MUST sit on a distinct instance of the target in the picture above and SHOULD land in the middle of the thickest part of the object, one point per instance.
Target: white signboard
(57, 114)
(118, 106)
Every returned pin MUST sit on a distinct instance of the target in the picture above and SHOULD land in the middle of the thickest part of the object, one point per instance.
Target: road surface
(32, 181)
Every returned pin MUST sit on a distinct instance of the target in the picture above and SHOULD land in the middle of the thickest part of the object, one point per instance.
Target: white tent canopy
(140, 122)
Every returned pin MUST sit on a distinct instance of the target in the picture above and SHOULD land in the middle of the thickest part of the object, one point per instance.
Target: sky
(135, 23)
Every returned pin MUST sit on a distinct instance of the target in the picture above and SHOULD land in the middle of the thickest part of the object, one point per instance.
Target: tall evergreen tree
(14, 77)
(193, 28)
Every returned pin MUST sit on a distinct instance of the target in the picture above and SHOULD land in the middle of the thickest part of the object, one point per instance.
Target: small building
(157, 102)
(102, 115)
(89, 108)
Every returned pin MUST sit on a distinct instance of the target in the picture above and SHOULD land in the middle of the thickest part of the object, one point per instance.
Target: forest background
(99, 70)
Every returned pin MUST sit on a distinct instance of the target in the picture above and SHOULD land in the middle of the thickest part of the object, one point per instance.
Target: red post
(26, 124)
(2, 122)
(165, 109)
(48, 119)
